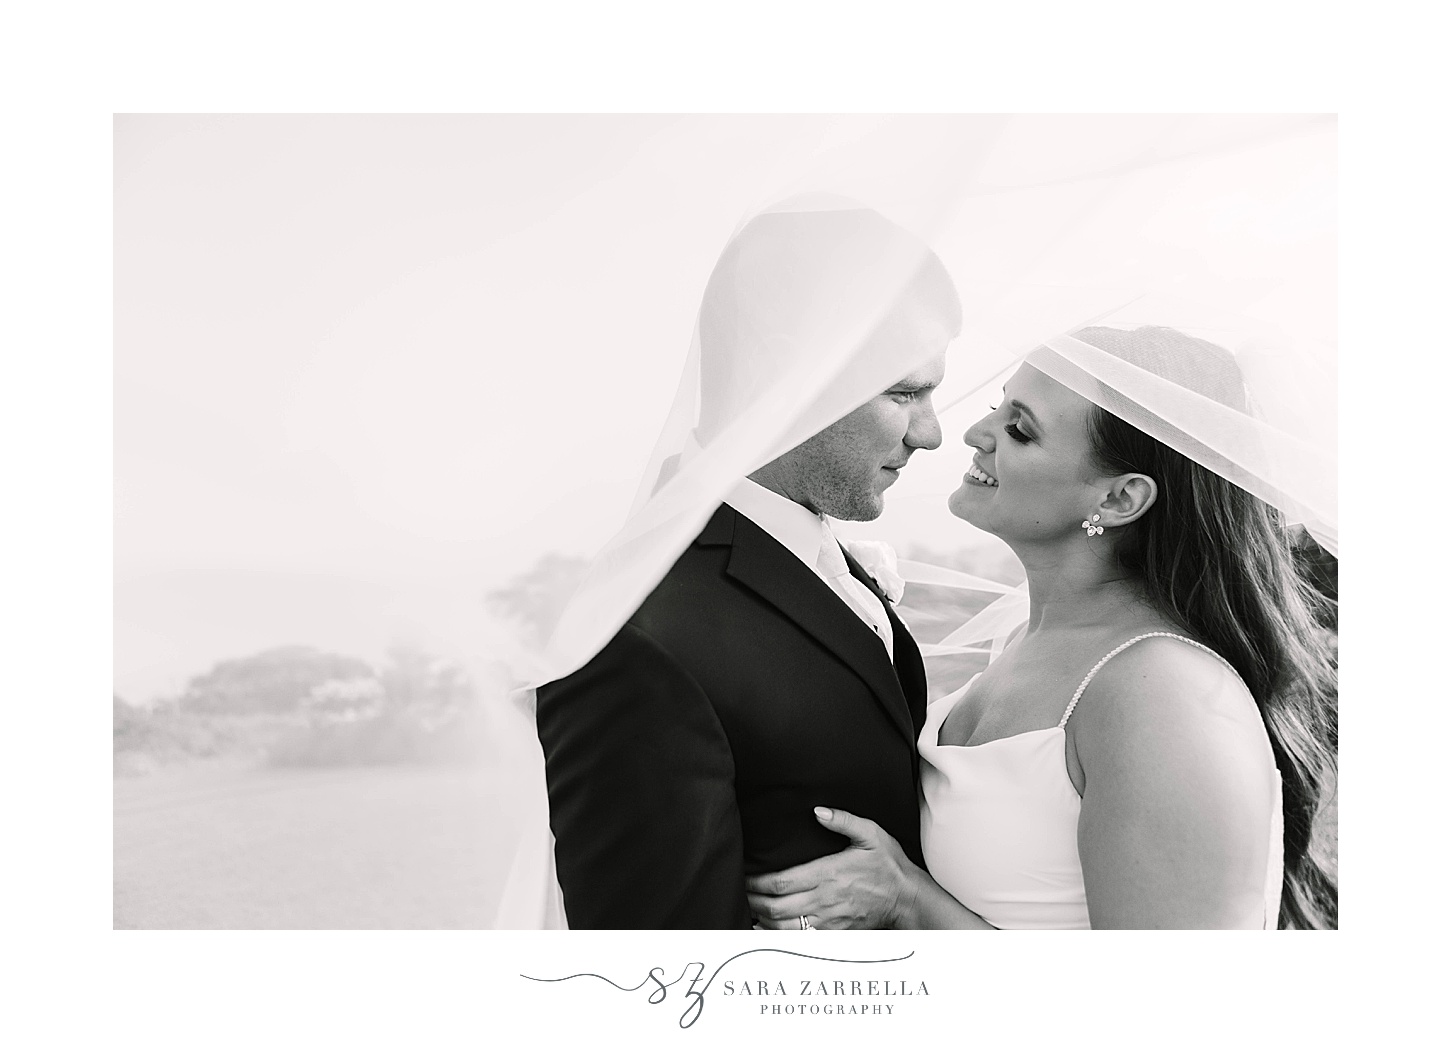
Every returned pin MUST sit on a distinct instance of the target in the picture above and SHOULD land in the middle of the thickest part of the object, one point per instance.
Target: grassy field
(245, 846)
(232, 845)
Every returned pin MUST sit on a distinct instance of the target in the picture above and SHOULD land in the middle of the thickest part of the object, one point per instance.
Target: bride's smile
(977, 474)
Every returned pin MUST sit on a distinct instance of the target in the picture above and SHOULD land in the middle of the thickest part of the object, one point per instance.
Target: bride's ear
(1128, 498)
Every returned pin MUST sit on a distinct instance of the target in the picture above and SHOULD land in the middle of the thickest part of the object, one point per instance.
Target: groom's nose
(924, 431)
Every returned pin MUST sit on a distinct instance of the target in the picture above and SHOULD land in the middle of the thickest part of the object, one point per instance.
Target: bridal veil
(1219, 227)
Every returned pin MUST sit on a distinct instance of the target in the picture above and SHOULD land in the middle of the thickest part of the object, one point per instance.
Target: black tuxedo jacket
(691, 750)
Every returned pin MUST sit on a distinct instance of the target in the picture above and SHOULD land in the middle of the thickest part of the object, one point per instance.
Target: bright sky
(368, 367)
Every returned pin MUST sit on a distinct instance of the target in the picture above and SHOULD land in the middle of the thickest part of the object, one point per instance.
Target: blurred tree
(536, 599)
(418, 709)
(126, 720)
(431, 689)
(279, 680)
(354, 699)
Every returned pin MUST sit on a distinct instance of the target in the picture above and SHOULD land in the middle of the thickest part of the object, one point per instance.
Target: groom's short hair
(789, 278)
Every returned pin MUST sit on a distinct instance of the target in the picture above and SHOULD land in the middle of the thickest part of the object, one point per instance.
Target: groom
(767, 673)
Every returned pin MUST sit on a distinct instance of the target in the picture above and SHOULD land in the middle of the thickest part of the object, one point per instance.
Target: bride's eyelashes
(1014, 431)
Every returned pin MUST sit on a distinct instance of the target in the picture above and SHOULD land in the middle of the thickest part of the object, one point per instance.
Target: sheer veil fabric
(1047, 226)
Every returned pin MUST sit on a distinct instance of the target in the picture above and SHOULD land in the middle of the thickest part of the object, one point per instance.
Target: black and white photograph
(726, 522)
(661, 521)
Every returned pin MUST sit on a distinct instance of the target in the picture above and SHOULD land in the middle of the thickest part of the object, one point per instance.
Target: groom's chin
(870, 509)
(863, 509)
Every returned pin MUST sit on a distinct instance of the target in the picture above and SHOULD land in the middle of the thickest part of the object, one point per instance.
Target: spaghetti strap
(1133, 641)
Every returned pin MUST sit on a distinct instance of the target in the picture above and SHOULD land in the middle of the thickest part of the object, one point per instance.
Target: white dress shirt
(807, 535)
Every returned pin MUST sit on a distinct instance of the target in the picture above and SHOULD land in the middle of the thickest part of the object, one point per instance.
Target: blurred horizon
(168, 643)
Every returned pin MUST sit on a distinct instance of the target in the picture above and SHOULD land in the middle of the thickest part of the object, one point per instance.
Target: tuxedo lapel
(757, 561)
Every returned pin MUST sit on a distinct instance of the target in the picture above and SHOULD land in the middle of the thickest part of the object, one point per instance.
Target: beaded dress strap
(1133, 641)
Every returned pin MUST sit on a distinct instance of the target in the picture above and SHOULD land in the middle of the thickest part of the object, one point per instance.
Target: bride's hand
(867, 885)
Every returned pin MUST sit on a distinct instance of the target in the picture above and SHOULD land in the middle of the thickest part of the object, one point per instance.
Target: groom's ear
(1127, 499)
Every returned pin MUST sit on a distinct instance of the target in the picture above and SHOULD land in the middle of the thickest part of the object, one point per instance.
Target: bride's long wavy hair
(1221, 563)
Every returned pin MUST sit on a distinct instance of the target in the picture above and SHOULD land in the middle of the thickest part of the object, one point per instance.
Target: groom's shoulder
(700, 599)
(695, 581)
(675, 620)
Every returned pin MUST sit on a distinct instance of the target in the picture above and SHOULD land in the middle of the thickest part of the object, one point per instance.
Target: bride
(1128, 760)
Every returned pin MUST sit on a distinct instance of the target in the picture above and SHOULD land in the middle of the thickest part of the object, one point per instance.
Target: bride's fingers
(819, 920)
(766, 924)
(823, 921)
(860, 830)
(787, 908)
(789, 881)
(764, 908)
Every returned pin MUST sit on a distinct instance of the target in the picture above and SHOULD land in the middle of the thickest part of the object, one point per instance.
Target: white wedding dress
(1000, 823)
